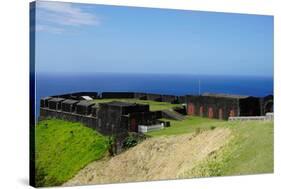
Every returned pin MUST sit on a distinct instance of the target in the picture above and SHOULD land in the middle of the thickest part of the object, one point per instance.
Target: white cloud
(63, 14)
(50, 29)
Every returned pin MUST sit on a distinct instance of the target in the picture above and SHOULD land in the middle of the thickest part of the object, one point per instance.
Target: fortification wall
(154, 97)
(76, 95)
(143, 118)
(182, 99)
(141, 96)
(268, 117)
(109, 119)
(89, 121)
(212, 107)
(169, 98)
(117, 95)
(205, 106)
(250, 107)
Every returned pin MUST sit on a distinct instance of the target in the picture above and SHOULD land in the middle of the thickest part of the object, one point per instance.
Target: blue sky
(85, 38)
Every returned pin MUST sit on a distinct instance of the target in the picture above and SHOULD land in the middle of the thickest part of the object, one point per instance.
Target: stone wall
(117, 95)
(212, 107)
(169, 98)
(250, 106)
(89, 121)
(142, 118)
(118, 118)
(154, 97)
(77, 95)
(145, 128)
(141, 96)
(268, 117)
(109, 119)
(205, 106)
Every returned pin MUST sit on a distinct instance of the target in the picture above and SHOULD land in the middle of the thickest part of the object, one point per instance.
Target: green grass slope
(252, 149)
(249, 152)
(190, 124)
(63, 148)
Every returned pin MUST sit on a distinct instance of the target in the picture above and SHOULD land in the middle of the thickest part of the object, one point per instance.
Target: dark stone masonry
(222, 106)
(118, 118)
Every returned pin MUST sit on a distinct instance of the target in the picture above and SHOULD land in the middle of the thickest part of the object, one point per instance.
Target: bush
(212, 127)
(130, 141)
(112, 145)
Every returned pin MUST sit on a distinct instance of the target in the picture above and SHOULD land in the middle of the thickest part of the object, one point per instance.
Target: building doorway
(210, 112)
(190, 109)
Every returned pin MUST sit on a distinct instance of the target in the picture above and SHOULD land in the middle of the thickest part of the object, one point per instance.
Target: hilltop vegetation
(63, 148)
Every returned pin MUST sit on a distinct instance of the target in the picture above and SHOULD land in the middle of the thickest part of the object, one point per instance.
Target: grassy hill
(156, 158)
(195, 147)
(249, 152)
(191, 124)
(63, 148)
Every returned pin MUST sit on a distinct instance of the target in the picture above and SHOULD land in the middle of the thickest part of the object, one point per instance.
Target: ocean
(174, 84)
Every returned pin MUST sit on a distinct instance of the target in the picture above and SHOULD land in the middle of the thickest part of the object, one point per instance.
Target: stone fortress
(118, 118)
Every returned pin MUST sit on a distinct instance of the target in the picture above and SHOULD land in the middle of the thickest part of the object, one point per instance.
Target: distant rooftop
(56, 99)
(46, 98)
(86, 103)
(87, 98)
(224, 95)
(69, 101)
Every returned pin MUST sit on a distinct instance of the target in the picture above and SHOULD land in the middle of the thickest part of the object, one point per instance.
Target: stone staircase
(171, 114)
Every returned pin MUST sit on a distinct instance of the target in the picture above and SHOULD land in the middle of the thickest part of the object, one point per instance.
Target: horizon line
(151, 73)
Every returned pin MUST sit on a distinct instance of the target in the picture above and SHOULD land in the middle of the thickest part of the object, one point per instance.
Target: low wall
(247, 118)
(154, 97)
(169, 98)
(75, 95)
(146, 128)
(86, 120)
(117, 95)
(267, 117)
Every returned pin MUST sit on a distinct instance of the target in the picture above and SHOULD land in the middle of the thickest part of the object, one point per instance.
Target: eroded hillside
(155, 159)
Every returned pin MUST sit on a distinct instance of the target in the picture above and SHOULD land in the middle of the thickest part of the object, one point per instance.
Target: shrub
(130, 141)
(112, 145)
(212, 127)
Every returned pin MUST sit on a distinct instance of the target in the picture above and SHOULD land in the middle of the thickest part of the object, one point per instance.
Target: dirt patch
(154, 159)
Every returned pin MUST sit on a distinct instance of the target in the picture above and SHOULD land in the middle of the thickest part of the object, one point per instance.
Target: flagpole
(199, 87)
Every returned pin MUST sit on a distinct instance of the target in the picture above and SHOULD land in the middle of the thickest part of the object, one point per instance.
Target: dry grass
(155, 159)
